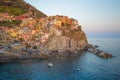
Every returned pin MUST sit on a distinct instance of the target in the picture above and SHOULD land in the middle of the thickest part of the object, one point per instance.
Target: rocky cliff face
(67, 37)
(28, 33)
(66, 43)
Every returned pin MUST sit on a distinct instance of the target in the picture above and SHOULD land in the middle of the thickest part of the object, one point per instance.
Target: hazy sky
(97, 17)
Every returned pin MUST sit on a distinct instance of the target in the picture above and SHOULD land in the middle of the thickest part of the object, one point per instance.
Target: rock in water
(96, 46)
(98, 52)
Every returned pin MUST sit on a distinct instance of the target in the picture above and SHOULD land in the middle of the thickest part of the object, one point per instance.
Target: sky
(98, 18)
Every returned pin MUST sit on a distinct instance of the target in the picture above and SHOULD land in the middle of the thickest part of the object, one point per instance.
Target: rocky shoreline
(8, 54)
(98, 52)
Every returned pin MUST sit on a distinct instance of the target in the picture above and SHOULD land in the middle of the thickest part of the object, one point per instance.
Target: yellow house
(38, 28)
(58, 22)
(13, 34)
(20, 36)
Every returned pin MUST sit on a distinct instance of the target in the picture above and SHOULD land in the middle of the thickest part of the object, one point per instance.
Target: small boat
(50, 64)
(77, 69)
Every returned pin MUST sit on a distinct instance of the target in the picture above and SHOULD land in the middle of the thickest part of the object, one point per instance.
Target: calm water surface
(90, 66)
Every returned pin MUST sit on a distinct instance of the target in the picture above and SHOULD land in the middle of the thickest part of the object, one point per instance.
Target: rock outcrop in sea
(98, 52)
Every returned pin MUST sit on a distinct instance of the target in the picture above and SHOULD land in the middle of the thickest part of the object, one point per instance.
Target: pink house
(20, 17)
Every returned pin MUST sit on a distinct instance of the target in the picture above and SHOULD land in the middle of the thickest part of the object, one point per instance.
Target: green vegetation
(12, 11)
(0, 46)
(10, 23)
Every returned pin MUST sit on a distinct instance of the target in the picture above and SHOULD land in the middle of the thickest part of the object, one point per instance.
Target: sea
(85, 66)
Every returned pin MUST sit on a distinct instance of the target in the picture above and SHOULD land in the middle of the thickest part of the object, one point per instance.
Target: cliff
(28, 33)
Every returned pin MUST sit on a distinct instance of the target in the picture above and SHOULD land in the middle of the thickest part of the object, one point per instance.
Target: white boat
(77, 69)
(50, 64)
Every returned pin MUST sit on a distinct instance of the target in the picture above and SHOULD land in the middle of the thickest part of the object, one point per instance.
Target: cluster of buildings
(35, 29)
(60, 21)
(6, 17)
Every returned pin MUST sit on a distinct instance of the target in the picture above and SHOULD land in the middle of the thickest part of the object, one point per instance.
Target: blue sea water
(91, 67)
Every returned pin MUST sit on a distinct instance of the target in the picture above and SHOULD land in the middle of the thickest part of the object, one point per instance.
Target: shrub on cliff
(10, 23)
(12, 11)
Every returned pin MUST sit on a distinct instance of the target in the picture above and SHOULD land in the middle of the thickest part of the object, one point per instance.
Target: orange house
(70, 21)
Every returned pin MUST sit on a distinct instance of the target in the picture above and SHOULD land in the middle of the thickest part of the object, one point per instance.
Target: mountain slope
(24, 6)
